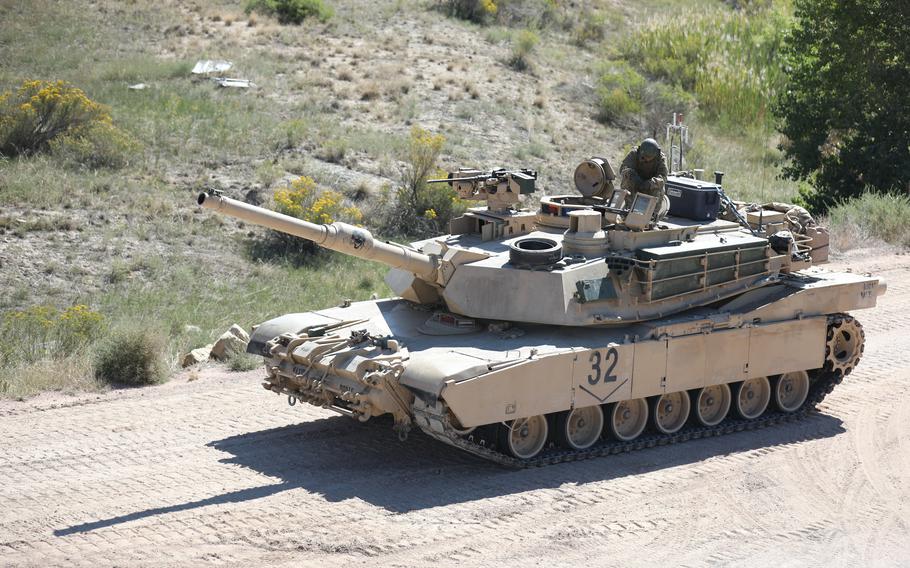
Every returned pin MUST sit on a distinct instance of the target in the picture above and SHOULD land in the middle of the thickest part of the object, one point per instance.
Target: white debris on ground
(206, 66)
(234, 83)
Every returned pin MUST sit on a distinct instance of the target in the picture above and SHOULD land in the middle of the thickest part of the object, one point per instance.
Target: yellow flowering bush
(526, 13)
(304, 199)
(474, 10)
(44, 332)
(56, 116)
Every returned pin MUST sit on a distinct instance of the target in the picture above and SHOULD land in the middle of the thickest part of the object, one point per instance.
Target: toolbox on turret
(693, 199)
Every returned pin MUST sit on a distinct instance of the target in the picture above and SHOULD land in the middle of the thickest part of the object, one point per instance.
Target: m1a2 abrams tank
(583, 329)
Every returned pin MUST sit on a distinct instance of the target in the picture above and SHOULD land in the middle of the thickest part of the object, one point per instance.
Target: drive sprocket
(845, 343)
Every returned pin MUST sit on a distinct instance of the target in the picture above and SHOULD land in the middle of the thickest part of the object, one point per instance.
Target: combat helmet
(649, 148)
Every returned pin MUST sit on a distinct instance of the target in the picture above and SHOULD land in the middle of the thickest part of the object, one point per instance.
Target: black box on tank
(693, 199)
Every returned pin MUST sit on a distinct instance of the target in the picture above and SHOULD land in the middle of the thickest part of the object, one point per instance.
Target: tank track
(822, 382)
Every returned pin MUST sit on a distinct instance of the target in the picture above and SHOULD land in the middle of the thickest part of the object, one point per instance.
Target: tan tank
(581, 329)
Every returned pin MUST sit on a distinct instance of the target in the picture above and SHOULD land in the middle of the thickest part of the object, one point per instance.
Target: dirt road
(217, 471)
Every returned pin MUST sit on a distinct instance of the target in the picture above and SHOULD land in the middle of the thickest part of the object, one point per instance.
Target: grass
(728, 59)
(179, 294)
(884, 217)
(749, 162)
(213, 297)
(69, 375)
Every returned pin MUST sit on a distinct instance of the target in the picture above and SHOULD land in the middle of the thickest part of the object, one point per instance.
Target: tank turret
(609, 265)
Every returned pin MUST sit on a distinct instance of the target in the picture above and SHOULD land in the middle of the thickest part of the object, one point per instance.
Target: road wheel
(669, 412)
(712, 404)
(628, 419)
(791, 390)
(580, 428)
(523, 438)
(750, 398)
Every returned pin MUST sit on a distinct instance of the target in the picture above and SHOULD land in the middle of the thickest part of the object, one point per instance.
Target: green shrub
(290, 11)
(589, 28)
(843, 115)
(101, 145)
(132, 356)
(241, 362)
(45, 116)
(416, 208)
(621, 92)
(535, 13)
(523, 44)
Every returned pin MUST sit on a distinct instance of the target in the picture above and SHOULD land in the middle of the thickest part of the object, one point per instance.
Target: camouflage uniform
(649, 178)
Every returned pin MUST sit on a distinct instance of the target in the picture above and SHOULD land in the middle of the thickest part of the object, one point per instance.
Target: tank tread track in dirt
(822, 382)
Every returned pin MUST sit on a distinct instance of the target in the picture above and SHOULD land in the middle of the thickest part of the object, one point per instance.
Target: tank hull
(456, 383)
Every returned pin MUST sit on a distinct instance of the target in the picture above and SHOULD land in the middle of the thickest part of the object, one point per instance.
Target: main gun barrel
(340, 237)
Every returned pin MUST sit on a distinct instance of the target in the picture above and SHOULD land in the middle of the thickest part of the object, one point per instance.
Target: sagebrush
(132, 356)
(55, 116)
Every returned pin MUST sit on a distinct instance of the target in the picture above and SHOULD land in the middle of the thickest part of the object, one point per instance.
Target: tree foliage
(845, 113)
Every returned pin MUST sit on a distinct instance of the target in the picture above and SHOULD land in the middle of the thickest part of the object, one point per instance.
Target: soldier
(644, 170)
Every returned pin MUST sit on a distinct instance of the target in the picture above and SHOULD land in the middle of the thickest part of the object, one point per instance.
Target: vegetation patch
(43, 116)
(417, 208)
(881, 216)
(844, 112)
(42, 348)
(729, 59)
(304, 200)
(44, 332)
(291, 11)
(132, 356)
(528, 13)
(523, 44)
(241, 362)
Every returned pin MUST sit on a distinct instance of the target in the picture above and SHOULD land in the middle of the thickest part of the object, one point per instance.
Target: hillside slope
(334, 101)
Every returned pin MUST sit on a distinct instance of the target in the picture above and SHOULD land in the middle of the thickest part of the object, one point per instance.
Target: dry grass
(68, 375)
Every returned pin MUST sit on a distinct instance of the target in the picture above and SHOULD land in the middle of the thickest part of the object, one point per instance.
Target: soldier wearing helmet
(644, 170)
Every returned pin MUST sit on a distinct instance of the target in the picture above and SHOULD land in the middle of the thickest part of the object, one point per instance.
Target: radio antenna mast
(678, 132)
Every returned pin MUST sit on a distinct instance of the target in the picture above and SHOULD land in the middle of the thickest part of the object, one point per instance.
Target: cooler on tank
(693, 199)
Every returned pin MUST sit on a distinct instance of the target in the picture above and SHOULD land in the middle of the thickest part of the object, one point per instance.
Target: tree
(845, 113)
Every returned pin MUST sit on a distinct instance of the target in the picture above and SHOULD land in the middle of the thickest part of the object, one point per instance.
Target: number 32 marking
(611, 358)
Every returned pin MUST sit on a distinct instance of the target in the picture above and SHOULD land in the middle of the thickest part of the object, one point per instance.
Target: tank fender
(426, 373)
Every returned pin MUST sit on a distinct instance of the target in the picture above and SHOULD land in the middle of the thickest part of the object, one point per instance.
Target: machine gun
(500, 188)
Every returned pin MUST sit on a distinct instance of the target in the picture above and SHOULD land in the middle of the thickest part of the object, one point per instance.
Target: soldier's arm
(627, 170)
(662, 169)
(660, 177)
